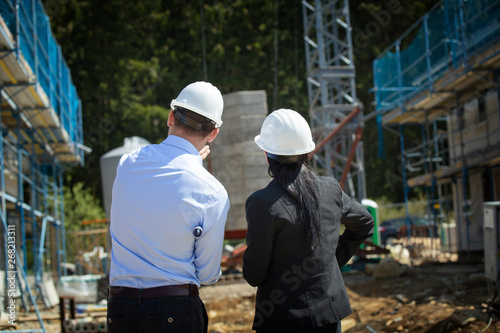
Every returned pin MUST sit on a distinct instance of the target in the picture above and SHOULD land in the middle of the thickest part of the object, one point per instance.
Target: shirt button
(109, 320)
(197, 232)
(170, 319)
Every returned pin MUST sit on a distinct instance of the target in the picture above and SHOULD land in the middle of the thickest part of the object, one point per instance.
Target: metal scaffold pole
(440, 75)
(16, 279)
(41, 131)
(333, 106)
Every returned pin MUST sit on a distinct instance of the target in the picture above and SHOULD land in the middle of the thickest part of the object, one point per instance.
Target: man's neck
(196, 141)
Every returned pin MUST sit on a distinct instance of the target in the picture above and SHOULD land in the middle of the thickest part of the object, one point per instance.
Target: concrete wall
(480, 137)
(469, 222)
(479, 141)
(235, 158)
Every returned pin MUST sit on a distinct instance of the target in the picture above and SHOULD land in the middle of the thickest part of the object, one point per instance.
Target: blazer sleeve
(359, 226)
(260, 236)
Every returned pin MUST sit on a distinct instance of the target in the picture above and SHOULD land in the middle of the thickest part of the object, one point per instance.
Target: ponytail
(299, 180)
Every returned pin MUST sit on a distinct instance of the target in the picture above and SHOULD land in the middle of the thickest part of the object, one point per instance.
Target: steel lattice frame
(332, 92)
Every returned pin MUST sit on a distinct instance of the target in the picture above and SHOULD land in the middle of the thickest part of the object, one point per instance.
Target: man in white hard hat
(167, 223)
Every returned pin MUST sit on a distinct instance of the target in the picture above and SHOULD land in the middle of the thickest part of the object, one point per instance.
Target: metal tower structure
(335, 113)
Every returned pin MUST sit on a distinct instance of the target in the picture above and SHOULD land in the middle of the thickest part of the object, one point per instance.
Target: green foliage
(388, 210)
(130, 58)
(80, 205)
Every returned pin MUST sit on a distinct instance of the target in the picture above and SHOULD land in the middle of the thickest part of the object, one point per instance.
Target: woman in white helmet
(295, 250)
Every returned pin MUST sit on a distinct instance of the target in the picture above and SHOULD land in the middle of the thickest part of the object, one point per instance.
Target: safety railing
(442, 40)
(30, 26)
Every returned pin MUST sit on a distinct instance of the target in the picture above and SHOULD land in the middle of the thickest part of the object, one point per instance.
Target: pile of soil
(430, 297)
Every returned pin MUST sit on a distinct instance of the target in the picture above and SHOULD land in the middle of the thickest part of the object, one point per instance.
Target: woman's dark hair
(299, 180)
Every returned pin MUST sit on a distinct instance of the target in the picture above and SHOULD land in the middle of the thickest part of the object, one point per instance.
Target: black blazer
(296, 288)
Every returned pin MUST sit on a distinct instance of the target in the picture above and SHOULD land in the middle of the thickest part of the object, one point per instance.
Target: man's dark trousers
(174, 314)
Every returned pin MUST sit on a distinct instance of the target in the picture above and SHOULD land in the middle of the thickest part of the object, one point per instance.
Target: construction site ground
(424, 297)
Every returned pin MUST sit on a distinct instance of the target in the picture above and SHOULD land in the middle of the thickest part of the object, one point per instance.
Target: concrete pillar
(236, 161)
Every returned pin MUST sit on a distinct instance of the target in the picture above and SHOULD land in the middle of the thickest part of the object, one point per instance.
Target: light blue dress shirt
(161, 194)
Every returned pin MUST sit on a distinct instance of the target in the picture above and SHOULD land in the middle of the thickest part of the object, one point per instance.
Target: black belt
(163, 291)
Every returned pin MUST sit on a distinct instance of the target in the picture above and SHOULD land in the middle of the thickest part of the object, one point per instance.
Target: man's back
(167, 223)
(160, 195)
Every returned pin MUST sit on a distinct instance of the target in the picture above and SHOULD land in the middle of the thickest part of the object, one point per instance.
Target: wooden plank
(90, 232)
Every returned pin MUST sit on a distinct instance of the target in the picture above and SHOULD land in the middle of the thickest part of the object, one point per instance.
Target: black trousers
(174, 314)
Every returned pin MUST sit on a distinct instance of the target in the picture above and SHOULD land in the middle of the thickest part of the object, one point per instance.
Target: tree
(81, 205)
(130, 58)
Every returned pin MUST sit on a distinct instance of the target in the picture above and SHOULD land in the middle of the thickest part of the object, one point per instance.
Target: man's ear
(170, 121)
(213, 135)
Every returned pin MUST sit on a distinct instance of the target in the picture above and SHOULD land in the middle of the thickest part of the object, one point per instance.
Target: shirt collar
(183, 144)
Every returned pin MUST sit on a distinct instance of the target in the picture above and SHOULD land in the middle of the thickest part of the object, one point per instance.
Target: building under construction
(41, 123)
(441, 79)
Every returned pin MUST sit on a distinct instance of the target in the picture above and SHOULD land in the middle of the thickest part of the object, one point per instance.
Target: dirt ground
(429, 297)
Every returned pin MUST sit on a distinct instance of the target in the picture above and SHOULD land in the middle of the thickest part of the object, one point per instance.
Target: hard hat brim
(174, 103)
(262, 146)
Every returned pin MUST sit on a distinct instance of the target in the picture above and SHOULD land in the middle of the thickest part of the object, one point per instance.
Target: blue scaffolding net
(41, 123)
(443, 40)
(27, 20)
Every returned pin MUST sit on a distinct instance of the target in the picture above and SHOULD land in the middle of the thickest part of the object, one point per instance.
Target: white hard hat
(202, 98)
(286, 133)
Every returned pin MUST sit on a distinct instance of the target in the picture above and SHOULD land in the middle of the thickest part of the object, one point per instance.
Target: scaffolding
(41, 124)
(441, 78)
(335, 112)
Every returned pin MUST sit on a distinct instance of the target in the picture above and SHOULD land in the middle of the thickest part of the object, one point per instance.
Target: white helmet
(202, 98)
(285, 133)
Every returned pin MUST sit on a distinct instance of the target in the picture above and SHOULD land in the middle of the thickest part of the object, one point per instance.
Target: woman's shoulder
(329, 187)
(267, 194)
(328, 180)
